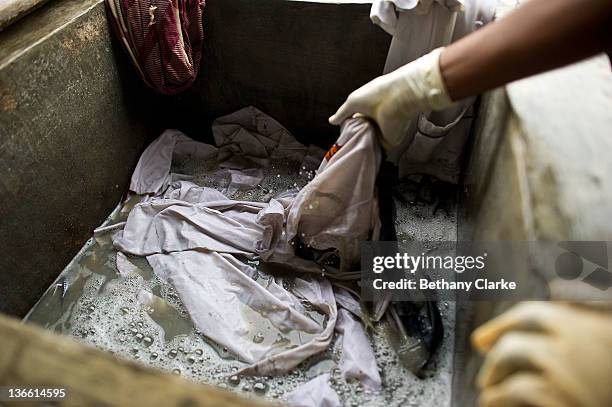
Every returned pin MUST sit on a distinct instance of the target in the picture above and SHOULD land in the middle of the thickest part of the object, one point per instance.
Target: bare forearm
(538, 36)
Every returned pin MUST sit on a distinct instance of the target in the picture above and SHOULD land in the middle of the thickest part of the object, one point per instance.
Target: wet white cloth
(151, 175)
(193, 235)
(339, 208)
(168, 225)
(249, 135)
(320, 295)
(314, 393)
(348, 302)
(435, 141)
(244, 139)
(124, 266)
(216, 288)
(239, 180)
(189, 192)
(357, 360)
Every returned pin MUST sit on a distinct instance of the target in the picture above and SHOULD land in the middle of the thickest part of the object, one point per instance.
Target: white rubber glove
(394, 99)
(546, 354)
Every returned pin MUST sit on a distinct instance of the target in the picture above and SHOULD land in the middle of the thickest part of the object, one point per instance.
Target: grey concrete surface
(71, 130)
(13, 10)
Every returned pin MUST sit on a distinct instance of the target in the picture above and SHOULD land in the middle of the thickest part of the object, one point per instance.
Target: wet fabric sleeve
(357, 360)
(383, 14)
(315, 393)
(335, 209)
(151, 175)
(166, 225)
(319, 293)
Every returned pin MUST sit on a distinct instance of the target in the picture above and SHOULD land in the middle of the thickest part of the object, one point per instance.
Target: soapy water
(93, 303)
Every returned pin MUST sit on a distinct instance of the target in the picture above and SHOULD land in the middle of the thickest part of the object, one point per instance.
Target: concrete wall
(539, 170)
(71, 130)
(296, 61)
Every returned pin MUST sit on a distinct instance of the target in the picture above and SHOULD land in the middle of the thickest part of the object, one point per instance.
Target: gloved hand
(546, 354)
(394, 99)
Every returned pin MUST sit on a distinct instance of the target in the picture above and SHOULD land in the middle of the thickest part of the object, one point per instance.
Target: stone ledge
(33, 357)
(13, 10)
(40, 25)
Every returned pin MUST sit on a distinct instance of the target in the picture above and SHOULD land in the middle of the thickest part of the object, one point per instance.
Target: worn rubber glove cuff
(435, 92)
(395, 99)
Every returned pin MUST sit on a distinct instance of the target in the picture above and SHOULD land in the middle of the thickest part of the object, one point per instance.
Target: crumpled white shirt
(244, 140)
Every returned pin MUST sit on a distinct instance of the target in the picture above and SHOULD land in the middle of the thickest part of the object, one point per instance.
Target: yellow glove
(546, 354)
(395, 99)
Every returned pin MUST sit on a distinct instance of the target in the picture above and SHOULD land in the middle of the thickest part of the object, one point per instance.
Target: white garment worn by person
(190, 235)
(434, 142)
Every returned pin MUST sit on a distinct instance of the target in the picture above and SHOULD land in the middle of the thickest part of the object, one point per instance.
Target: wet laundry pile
(205, 244)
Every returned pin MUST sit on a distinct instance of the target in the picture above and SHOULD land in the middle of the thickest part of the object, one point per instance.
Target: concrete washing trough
(74, 119)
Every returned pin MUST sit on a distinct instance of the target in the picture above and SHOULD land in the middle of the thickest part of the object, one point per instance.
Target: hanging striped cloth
(163, 39)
